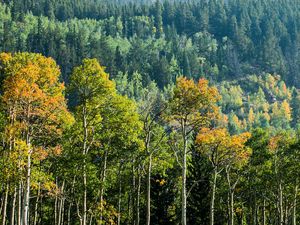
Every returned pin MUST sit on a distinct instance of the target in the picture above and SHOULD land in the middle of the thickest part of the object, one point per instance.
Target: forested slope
(203, 38)
(149, 112)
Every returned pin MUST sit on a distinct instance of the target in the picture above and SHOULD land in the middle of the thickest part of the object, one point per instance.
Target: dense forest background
(232, 41)
(247, 50)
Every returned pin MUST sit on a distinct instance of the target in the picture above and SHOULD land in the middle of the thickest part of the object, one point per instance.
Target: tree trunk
(137, 222)
(213, 193)
(61, 204)
(133, 194)
(149, 190)
(63, 211)
(295, 206)
(84, 192)
(85, 140)
(231, 189)
(27, 190)
(264, 212)
(55, 203)
(231, 219)
(20, 204)
(119, 197)
(102, 185)
(71, 203)
(254, 220)
(184, 169)
(13, 208)
(280, 201)
(69, 214)
(36, 206)
(5, 204)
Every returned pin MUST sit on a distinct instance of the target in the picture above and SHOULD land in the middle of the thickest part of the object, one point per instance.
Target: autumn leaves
(35, 110)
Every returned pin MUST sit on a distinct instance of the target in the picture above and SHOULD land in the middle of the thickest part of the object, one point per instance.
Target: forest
(153, 112)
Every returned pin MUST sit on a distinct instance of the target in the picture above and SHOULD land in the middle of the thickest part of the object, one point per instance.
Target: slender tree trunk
(213, 194)
(71, 203)
(91, 220)
(133, 194)
(280, 199)
(85, 130)
(13, 208)
(20, 203)
(61, 204)
(295, 206)
(69, 214)
(103, 178)
(184, 169)
(264, 212)
(55, 204)
(28, 175)
(2, 202)
(254, 210)
(5, 200)
(231, 221)
(120, 196)
(231, 189)
(138, 199)
(36, 206)
(27, 190)
(149, 190)
(78, 212)
(62, 211)
(84, 192)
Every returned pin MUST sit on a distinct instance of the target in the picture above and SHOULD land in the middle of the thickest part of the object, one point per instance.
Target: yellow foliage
(221, 147)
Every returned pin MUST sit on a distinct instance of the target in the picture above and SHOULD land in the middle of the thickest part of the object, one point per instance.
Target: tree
(191, 106)
(107, 123)
(91, 86)
(34, 101)
(158, 19)
(279, 149)
(224, 152)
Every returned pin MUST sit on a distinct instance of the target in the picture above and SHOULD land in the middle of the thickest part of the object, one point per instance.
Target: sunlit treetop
(193, 102)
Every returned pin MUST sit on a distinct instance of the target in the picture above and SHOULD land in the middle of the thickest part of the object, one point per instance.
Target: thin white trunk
(85, 192)
(184, 170)
(13, 208)
(149, 190)
(69, 214)
(119, 197)
(36, 207)
(264, 212)
(55, 205)
(61, 204)
(20, 204)
(5, 205)
(138, 199)
(133, 194)
(71, 203)
(27, 191)
(280, 199)
(85, 130)
(231, 208)
(213, 193)
(295, 206)
(103, 178)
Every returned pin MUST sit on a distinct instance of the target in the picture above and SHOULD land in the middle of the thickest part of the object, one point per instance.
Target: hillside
(162, 112)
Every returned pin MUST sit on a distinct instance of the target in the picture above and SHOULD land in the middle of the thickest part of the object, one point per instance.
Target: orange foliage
(34, 99)
(222, 148)
(194, 102)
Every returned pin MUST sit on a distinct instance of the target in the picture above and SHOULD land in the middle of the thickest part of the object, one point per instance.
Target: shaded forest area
(200, 38)
(149, 112)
